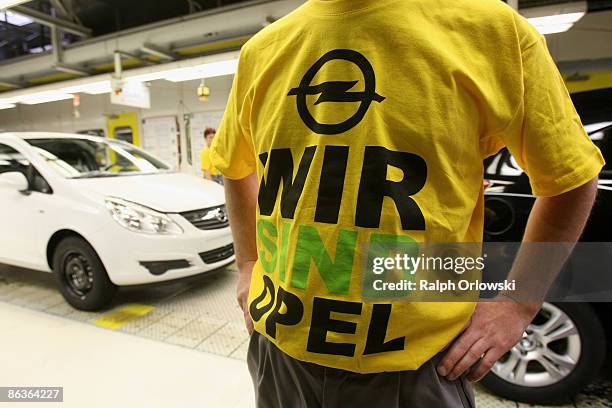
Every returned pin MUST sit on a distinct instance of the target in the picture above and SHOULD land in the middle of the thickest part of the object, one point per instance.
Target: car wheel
(81, 276)
(559, 354)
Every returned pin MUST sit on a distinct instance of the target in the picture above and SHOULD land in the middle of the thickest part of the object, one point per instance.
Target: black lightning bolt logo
(336, 91)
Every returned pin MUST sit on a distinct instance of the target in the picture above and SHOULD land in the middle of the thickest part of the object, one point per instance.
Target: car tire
(81, 276)
(591, 356)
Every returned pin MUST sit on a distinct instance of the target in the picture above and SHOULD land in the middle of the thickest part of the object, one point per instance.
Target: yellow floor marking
(118, 317)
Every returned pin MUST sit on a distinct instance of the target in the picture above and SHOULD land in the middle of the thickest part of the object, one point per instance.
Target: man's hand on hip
(494, 329)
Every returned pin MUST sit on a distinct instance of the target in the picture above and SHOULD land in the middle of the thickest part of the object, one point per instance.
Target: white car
(101, 213)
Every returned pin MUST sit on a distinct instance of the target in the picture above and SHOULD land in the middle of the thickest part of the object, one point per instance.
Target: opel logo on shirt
(336, 91)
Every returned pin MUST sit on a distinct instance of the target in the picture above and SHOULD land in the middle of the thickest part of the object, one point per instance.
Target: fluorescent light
(42, 97)
(7, 106)
(151, 76)
(93, 88)
(16, 19)
(553, 28)
(100, 91)
(209, 70)
(596, 126)
(4, 4)
(555, 18)
(593, 128)
(555, 24)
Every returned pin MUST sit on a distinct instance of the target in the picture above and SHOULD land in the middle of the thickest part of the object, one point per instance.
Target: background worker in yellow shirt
(355, 122)
(209, 171)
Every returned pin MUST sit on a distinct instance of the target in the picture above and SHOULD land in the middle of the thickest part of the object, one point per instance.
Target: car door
(20, 240)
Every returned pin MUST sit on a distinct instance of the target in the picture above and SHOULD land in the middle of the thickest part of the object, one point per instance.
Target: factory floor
(104, 368)
(176, 345)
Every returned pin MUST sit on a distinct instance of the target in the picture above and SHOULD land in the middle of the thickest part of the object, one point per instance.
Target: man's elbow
(586, 192)
(579, 199)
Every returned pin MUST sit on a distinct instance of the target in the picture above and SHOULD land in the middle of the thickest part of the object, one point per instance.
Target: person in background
(208, 170)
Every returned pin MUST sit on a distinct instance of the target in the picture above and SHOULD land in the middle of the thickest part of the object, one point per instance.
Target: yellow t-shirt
(206, 164)
(371, 118)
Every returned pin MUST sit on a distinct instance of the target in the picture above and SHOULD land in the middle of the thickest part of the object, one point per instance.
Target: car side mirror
(15, 180)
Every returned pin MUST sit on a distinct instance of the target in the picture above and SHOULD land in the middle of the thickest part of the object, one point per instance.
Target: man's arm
(495, 327)
(241, 202)
(561, 218)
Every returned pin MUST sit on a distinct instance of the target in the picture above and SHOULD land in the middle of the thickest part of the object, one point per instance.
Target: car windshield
(89, 158)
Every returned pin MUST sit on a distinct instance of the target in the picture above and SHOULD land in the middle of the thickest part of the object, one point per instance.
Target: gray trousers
(283, 382)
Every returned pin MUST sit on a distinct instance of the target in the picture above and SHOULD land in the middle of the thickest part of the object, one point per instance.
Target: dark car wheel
(80, 275)
(560, 353)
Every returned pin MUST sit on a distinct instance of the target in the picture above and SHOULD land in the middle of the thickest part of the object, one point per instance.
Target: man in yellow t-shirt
(355, 123)
(209, 171)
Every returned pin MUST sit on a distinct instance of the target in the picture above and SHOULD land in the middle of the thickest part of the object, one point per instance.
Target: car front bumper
(132, 258)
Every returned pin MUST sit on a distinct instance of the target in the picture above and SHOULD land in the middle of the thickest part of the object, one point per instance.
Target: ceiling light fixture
(42, 97)
(16, 19)
(555, 18)
(93, 88)
(186, 70)
(150, 76)
(210, 70)
(4, 4)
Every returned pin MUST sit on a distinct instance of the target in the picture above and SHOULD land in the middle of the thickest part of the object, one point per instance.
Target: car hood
(169, 192)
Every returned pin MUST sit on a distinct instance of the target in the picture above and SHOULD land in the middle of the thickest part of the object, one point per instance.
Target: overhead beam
(236, 20)
(137, 58)
(590, 65)
(66, 10)
(59, 23)
(56, 44)
(159, 51)
(59, 6)
(70, 69)
(9, 84)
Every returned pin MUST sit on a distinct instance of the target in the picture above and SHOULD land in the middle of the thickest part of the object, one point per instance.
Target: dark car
(569, 346)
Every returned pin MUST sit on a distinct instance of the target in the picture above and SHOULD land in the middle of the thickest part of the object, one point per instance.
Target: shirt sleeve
(548, 140)
(232, 151)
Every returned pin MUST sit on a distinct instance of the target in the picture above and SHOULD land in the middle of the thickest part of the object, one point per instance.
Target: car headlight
(141, 219)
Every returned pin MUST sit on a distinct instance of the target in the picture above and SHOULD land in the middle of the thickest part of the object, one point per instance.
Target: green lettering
(388, 246)
(335, 273)
(286, 227)
(267, 262)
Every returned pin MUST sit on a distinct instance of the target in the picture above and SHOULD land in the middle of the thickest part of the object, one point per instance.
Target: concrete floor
(193, 328)
(103, 368)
